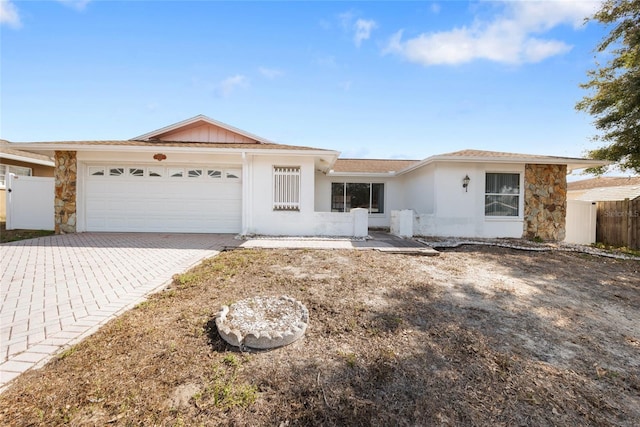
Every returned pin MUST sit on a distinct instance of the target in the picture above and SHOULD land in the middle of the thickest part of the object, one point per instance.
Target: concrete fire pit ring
(262, 322)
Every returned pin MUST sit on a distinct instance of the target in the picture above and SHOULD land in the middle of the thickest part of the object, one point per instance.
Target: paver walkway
(56, 290)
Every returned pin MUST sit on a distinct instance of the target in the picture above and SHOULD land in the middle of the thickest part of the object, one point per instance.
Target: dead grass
(15, 235)
(477, 336)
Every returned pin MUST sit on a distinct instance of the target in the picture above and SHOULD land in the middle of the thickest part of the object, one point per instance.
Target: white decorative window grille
(214, 173)
(502, 194)
(96, 170)
(194, 173)
(286, 188)
(116, 171)
(136, 172)
(156, 172)
(176, 173)
(16, 170)
(232, 174)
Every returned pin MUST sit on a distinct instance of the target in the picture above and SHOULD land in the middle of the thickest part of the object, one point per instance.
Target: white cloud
(346, 18)
(513, 37)
(230, 84)
(363, 28)
(270, 73)
(9, 14)
(75, 4)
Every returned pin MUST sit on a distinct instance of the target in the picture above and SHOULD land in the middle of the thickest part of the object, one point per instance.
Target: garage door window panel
(96, 171)
(176, 173)
(137, 172)
(232, 174)
(214, 173)
(156, 172)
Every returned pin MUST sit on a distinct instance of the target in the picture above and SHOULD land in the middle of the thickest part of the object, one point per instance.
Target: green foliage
(614, 98)
(224, 390)
(68, 352)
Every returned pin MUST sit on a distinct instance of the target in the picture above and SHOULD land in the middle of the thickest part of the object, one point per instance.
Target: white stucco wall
(419, 189)
(456, 212)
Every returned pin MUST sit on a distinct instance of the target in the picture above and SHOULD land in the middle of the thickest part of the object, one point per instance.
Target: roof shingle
(371, 165)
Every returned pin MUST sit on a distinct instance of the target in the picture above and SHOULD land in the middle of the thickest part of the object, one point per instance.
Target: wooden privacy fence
(618, 223)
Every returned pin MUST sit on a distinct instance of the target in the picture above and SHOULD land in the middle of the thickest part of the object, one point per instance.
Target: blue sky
(370, 79)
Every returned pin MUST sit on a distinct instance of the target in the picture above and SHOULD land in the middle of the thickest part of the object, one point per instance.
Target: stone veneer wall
(65, 202)
(545, 202)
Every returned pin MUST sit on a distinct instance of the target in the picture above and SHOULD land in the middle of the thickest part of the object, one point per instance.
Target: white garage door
(177, 199)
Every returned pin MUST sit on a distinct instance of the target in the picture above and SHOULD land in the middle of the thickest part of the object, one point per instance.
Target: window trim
(519, 195)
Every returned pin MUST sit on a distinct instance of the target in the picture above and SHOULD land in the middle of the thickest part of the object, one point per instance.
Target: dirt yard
(476, 336)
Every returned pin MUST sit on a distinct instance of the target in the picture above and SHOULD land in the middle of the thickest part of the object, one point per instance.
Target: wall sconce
(465, 183)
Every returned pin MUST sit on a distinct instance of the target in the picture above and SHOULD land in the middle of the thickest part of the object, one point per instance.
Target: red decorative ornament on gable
(159, 157)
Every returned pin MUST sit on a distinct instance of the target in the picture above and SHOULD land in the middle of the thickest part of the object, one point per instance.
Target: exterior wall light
(465, 183)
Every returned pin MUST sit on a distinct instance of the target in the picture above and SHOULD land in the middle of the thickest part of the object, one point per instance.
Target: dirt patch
(477, 336)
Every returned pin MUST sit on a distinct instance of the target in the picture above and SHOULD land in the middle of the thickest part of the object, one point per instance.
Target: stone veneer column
(65, 201)
(545, 202)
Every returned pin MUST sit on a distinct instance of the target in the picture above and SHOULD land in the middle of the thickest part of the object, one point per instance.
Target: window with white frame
(349, 195)
(16, 170)
(502, 194)
(286, 188)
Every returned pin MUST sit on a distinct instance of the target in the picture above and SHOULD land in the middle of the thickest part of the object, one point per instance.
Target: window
(214, 173)
(136, 172)
(17, 170)
(156, 172)
(286, 188)
(96, 170)
(116, 171)
(232, 174)
(502, 194)
(176, 173)
(194, 173)
(346, 196)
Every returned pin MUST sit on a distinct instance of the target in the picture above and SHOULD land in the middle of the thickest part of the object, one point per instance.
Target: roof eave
(27, 159)
(48, 147)
(572, 164)
(362, 174)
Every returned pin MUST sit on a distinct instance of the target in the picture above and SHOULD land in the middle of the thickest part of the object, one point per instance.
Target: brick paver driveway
(56, 290)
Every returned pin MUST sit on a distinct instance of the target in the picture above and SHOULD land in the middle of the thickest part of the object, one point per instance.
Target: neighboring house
(21, 163)
(201, 175)
(604, 189)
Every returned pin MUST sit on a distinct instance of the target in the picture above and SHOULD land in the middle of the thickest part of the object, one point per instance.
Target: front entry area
(167, 198)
